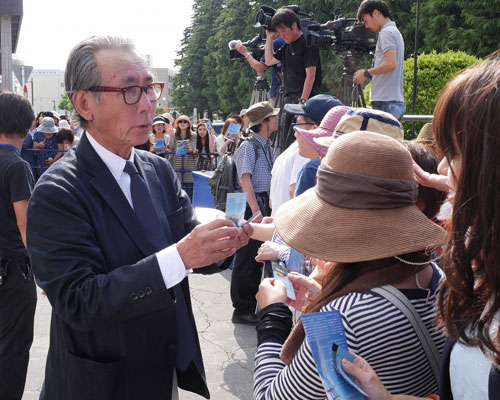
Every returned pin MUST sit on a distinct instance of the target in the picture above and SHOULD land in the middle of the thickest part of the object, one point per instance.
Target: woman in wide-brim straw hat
(362, 214)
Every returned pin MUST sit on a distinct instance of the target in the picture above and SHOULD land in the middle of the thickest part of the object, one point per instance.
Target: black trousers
(17, 311)
(245, 278)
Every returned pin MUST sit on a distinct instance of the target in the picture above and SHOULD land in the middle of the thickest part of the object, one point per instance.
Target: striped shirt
(377, 331)
(260, 171)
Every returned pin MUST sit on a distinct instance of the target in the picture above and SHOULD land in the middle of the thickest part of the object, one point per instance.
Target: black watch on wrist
(302, 100)
(367, 74)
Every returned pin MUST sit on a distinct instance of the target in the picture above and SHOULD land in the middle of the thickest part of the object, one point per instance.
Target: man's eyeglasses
(294, 125)
(132, 94)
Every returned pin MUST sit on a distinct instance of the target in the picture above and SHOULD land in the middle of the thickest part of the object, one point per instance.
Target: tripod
(277, 137)
(352, 92)
(260, 90)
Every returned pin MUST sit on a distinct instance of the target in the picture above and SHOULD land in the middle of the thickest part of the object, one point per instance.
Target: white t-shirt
(284, 173)
(470, 369)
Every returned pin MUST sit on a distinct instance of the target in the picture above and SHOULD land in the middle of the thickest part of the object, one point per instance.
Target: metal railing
(184, 170)
(40, 167)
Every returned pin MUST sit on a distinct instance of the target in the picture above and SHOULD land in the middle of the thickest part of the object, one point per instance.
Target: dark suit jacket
(112, 330)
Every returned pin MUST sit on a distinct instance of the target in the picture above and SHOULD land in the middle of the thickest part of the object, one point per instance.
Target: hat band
(348, 190)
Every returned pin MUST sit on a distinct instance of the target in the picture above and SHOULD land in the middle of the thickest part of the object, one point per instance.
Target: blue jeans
(396, 108)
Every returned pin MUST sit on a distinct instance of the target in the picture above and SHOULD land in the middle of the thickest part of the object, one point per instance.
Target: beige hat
(363, 206)
(425, 135)
(365, 119)
(259, 112)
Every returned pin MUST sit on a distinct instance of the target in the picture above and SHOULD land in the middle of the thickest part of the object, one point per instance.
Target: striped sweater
(377, 331)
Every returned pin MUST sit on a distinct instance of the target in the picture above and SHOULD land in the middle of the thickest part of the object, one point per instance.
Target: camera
(256, 49)
(345, 38)
(264, 17)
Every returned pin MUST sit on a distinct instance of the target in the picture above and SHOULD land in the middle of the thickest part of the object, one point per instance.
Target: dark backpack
(225, 178)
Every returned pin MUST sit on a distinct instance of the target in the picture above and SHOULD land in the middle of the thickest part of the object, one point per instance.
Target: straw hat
(183, 118)
(363, 227)
(425, 135)
(326, 128)
(365, 119)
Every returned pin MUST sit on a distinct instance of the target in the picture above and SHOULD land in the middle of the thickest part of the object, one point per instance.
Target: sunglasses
(183, 122)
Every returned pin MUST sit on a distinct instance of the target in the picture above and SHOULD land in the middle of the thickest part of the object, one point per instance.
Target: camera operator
(260, 66)
(386, 93)
(301, 65)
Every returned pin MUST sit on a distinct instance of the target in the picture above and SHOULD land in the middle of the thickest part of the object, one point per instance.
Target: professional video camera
(256, 49)
(354, 37)
(265, 15)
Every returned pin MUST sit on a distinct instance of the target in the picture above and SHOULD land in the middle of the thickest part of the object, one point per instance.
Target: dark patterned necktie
(185, 348)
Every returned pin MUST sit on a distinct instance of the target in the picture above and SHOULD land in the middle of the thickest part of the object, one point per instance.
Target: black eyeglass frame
(123, 90)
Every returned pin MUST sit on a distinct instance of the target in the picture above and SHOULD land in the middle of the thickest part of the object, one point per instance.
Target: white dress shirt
(171, 265)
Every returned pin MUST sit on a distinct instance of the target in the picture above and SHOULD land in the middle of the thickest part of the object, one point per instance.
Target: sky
(50, 28)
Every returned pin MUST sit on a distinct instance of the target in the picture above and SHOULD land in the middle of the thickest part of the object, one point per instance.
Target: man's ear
(295, 28)
(83, 102)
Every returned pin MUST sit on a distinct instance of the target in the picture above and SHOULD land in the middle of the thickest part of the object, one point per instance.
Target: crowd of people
(109, 233)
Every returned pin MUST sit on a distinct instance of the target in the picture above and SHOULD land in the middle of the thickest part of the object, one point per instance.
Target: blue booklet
(232, 130)
(159, 143)
(297, 262)
(326, 337)
(280, 273)
(236, 204)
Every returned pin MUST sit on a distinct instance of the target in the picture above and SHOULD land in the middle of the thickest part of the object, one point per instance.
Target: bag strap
(256, 145)
(400, 301)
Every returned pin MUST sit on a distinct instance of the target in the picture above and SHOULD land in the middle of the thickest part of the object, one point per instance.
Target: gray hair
(81, 69)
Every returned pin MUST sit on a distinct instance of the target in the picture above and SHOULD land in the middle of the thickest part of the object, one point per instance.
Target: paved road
(228, 349)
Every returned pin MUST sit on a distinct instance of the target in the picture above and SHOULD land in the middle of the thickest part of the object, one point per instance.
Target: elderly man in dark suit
(112, 238)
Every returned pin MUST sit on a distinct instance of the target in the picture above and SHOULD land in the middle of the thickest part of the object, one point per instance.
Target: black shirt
(296, 57)
(16, 184)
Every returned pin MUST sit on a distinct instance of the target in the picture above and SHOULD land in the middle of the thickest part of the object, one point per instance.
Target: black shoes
(248, 319)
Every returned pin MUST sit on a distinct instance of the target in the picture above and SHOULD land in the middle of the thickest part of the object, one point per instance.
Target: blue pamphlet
(280, 273)
(236, 204)
(325, 332)
(159, 143)
(232, 130)
(297, 262)
(182, 147)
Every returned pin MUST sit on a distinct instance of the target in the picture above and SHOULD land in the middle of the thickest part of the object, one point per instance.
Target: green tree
(190, 81)
(466, 25)
(229, 83)
(159, 110)
(209, 81)
(434, 71)
(65, 103)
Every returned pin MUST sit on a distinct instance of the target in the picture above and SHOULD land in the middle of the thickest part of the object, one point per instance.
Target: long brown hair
(467, 124)
(189, 131)
(343, 274)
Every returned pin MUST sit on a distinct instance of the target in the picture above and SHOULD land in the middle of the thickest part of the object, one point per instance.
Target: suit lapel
(149, 175)
(105, 184)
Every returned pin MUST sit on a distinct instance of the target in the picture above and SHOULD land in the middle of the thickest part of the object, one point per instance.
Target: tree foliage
(434, 71)
(65, 103)
(208, 80)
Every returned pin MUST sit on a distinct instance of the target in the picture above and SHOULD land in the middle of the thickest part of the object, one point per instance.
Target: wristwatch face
(302, 101)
